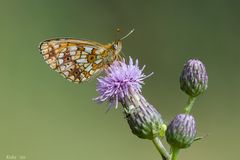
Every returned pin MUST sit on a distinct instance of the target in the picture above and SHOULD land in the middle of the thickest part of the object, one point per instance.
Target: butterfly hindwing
(77, 60)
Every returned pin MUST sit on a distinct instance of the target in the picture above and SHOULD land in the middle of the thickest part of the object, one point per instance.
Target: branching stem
(161, 149)
(189, 104)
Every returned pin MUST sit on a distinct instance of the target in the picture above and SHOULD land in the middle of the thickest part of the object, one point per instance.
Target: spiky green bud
(194, 78)
(181, 131)
(144, 120)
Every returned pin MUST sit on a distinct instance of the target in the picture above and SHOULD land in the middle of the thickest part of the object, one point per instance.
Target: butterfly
(78, 60)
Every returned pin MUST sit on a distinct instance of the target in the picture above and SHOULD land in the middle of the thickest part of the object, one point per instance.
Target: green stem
(161, 149)
(189, 105)
(175, 152)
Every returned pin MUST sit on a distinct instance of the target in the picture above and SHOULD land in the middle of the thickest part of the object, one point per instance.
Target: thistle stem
(175, 152)
(161, 149)
(189, 104)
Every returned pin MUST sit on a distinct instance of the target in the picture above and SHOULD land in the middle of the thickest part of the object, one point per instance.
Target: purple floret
(120, 80)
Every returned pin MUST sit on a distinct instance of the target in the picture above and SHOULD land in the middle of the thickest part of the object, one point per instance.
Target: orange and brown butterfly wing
(77, 60)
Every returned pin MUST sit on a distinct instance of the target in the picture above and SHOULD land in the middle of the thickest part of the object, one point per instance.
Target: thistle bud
(181, 131)
(194, 78)
(144, 120)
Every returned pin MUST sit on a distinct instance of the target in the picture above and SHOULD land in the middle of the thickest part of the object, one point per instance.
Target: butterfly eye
(115, 46)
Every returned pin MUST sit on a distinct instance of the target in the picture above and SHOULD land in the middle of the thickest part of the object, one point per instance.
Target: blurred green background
(45, 117)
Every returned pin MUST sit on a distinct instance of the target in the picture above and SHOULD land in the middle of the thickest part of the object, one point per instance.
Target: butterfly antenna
(127, 34)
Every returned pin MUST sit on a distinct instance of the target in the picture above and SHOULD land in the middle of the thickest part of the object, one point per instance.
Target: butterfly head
(114, 52)
(117, 47)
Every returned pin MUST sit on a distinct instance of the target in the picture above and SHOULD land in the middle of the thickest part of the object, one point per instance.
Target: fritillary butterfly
(79, 60)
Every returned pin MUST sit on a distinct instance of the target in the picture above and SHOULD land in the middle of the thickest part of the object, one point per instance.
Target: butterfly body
(79, 60)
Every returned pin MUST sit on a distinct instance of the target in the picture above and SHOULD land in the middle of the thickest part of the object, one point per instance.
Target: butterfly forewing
(77, 60)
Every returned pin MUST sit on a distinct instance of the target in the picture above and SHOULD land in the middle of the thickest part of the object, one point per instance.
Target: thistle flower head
(144, 120)
(181, 131)
(120, 80)
(194, 78)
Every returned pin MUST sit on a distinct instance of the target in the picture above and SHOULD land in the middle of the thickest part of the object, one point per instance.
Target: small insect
(78, 60)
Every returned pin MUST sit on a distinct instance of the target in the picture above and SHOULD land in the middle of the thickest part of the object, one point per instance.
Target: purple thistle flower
(121, 79)
(123, 83)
